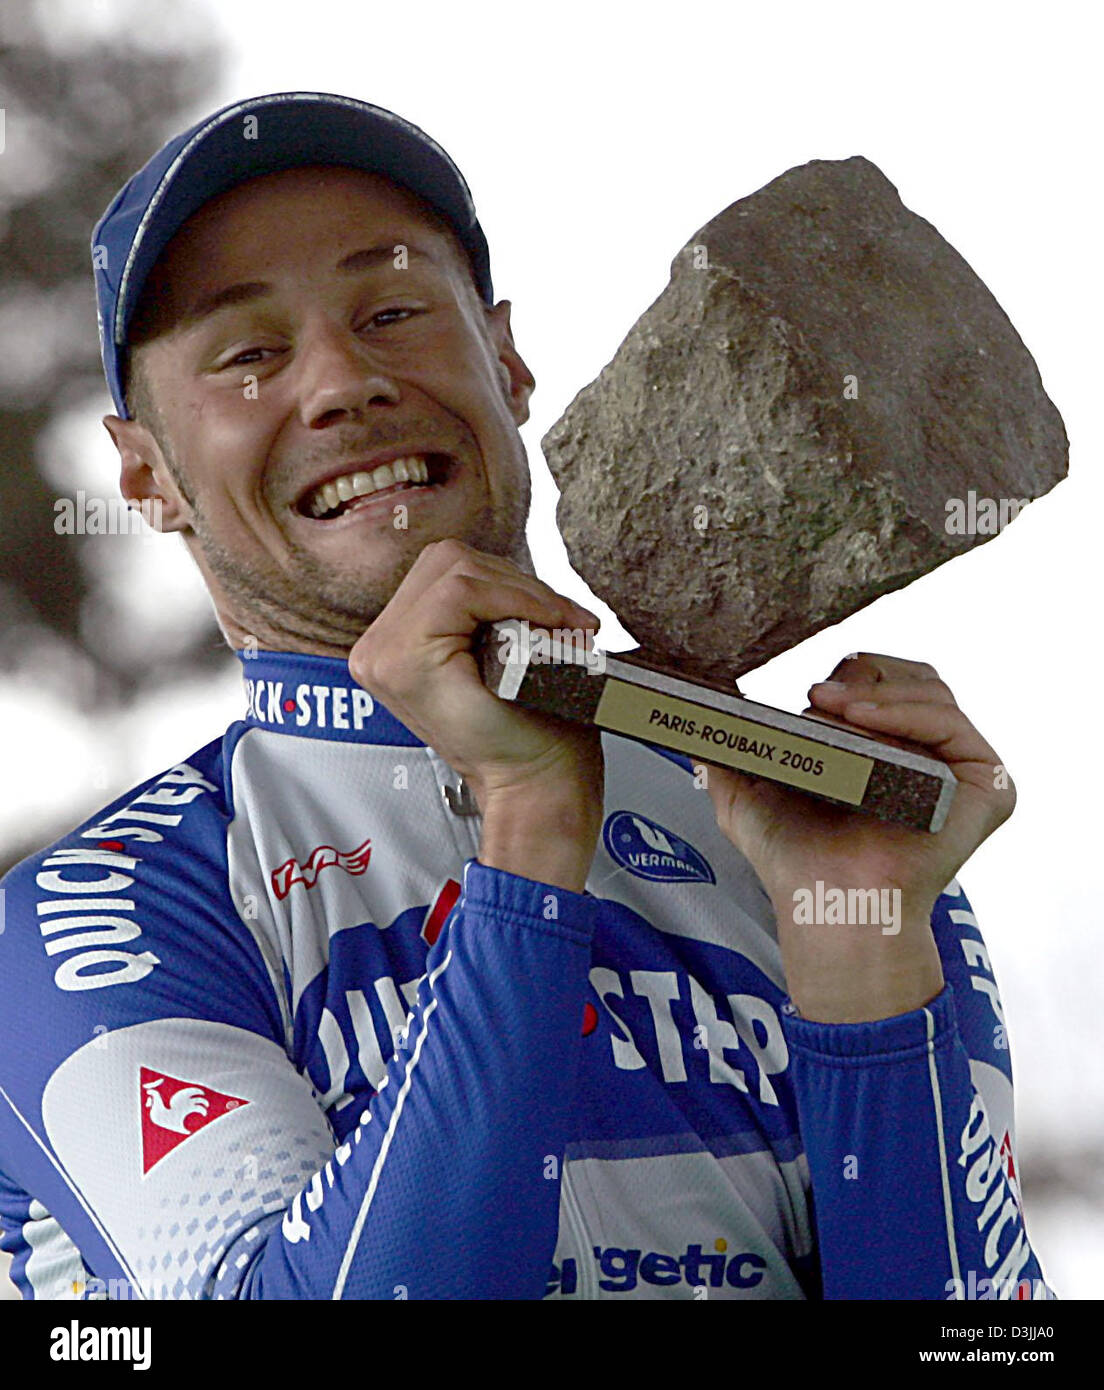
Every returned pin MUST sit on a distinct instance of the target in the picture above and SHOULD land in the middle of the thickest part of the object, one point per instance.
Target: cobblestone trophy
(824, 404)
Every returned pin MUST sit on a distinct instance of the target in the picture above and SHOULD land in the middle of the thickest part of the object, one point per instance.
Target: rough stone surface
(730, 394)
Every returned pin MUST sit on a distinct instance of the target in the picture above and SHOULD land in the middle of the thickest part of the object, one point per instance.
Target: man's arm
(184, 1156)
(845, 971)
(907, 1177)
(908, 1127)
(443, 1189)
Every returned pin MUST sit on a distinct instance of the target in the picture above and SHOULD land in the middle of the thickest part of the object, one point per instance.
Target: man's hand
(853, 972)
(537, 779)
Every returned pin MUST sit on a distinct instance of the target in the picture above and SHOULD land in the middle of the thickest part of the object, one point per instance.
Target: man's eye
(246, 357)
(251, 356)
(386, 316)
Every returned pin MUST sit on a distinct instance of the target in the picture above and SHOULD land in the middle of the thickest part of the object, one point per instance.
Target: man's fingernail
(831, 687)
(862, 704)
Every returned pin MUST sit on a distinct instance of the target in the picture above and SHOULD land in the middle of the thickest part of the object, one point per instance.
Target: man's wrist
(549, 837)
(841, 974)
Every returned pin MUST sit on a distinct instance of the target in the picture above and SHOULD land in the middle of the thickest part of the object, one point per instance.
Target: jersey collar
(315, 697)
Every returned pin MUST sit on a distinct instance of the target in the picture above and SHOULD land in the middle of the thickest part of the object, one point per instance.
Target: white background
(597, 138)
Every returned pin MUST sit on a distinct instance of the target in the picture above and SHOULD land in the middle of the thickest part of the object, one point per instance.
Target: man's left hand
(852, 972)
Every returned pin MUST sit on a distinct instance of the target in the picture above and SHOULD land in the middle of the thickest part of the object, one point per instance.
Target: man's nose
(340, 378)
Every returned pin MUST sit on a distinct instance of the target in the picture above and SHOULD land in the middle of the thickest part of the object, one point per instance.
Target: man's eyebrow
(230, 294)
(372, 256)
(357, 261)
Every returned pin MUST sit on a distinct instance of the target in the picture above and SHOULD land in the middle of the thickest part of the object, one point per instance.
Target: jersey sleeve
(908, 1127)
(444, 1189)
(157, 1141)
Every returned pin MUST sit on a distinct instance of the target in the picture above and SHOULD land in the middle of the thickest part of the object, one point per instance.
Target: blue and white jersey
(270, 1030)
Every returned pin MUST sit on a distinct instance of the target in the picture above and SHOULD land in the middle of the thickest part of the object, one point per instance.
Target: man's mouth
(349, 491)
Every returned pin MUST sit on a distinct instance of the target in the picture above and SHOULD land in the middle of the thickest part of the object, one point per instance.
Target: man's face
(291, 354)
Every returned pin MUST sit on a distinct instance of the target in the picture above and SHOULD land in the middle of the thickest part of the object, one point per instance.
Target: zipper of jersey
(460, 799)
(577, 1226)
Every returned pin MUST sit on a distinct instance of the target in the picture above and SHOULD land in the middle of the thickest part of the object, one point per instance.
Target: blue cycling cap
(242, 141)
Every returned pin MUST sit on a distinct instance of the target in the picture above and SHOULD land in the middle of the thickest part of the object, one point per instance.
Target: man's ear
(518, 381)
(145, 477)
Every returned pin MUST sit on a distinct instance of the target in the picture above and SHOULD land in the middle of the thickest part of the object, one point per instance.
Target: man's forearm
(910, 1168)
(442, 1188)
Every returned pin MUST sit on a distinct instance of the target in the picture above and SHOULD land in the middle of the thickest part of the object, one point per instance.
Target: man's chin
(379, 563)
(351, 597)
(324, 602)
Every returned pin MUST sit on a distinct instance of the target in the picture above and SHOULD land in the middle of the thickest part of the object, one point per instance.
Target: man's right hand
(538, 780)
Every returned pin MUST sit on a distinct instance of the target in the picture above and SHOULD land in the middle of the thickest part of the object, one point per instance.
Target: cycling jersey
(271, 1030)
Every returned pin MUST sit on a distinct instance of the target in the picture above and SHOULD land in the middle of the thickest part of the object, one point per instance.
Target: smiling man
(396, 989)
(250, 393)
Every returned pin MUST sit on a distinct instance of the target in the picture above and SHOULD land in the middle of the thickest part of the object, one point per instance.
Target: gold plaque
(718, 737)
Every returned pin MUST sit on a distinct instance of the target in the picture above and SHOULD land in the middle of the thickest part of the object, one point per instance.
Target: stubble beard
(310, 606)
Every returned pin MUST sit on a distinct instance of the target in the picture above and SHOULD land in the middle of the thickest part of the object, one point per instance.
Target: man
(398, 990)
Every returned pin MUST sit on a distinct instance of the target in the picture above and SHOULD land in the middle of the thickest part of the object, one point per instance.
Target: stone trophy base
(641, 698)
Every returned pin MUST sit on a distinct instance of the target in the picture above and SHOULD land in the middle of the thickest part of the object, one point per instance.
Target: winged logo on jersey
(324, 857)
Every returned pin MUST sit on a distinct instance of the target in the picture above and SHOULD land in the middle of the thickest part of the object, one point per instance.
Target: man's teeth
(329, 496)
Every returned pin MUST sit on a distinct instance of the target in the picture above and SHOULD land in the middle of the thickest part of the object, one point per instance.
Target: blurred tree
(78, 120)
